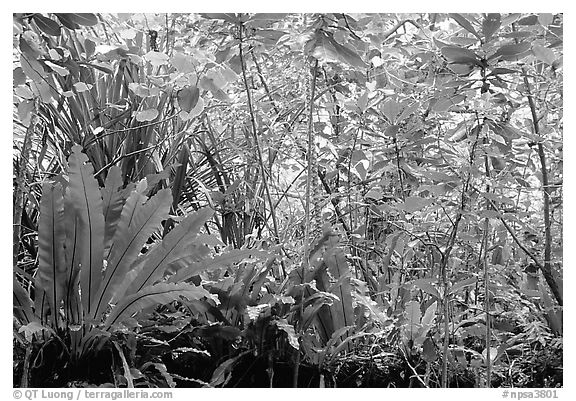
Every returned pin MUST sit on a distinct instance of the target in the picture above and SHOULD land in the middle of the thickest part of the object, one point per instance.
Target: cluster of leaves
(160, 169)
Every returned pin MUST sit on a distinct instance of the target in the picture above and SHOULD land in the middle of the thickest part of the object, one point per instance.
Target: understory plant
(100, 262)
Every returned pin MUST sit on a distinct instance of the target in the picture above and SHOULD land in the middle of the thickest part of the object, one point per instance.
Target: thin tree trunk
(546, 267)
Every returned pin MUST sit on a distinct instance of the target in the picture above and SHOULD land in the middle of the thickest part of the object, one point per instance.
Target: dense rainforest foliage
(278, 200)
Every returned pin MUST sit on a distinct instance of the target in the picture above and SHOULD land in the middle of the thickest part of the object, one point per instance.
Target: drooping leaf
(286, 327)
(85, 193)
(51, 273)
(490, 26)
(176, 244)
(137, 223)
(159, 294)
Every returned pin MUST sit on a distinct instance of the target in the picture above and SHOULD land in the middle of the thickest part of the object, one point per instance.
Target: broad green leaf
(18, 77)
(391, 109)
(73, 21)
(392, 131)
(414, 204)
(428, 318)
(462, 284)
(460, 55)
(464, 23)
(183, 63)
(511, 52)
(32, 68)
(373, 308)
(461, 69)
(136, 225)
(490, 26)
(85, 193)
(188, 98)
(159, 294)
(51, 275)
(156, 58)
(374, 193)
(25, 109)
(444, 104)
(67, 21)
(82, 87)
(147, 115)
(325, 48)
(544, 54)
(47, 25)
(429, 351)
(413, 316)
(426, 285)
(175, 245)
(545, 19)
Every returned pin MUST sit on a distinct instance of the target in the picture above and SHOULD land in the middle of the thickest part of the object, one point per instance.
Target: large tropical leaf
(73, 252)
(338, 267)
(111, 202)
(162, 293)
(342, 310)
(136, 225)
(228, 258)
(51, 273)
(175, 245)
(86, 197)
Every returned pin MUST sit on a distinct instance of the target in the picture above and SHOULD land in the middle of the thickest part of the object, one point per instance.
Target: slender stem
(306, 256)
(487, 282)
(255, 134)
